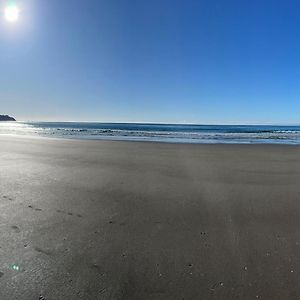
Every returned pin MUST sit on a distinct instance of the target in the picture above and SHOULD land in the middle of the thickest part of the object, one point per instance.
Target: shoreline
(37, 137)
(185, 134)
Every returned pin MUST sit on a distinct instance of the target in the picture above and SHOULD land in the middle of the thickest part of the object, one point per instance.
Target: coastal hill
(6, 118)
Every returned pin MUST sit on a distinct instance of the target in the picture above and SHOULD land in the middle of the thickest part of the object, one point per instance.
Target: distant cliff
(6, 118)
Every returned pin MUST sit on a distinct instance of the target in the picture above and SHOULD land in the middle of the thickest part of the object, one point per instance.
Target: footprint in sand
(97, 269)
(8, 198)
(40, 250)
(16, 228)
(217, 285)
(68, 213)
(35, 208)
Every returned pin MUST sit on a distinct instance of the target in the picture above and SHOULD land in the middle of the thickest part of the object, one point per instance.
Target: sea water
(178, 133)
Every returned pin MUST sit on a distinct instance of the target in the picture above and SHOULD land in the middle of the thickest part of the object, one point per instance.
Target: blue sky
(167, 61)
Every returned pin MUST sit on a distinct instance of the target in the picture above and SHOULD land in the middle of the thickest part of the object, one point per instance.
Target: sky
(165, 61)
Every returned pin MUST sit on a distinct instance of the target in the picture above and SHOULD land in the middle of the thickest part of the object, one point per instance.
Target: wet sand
(129, 220)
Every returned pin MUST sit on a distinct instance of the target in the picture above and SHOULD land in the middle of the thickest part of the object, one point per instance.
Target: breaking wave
(157, 132)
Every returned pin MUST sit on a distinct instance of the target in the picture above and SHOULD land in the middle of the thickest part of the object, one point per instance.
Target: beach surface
(140, 220)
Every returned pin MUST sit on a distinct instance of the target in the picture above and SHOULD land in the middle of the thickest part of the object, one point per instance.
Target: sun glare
(11, 13)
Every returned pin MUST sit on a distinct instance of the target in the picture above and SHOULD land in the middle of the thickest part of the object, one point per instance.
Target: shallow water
(241, 134)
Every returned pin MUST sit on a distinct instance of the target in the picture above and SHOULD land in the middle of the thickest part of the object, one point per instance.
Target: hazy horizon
(155, 123)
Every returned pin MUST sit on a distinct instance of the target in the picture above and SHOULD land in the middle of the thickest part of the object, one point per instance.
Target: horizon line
(171, 123)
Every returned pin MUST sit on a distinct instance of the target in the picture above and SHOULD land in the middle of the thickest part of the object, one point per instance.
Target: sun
(11, 13)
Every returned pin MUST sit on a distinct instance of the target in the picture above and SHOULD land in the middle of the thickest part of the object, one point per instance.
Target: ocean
(237, 134)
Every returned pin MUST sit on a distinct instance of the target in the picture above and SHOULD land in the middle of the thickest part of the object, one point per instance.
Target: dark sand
(126, 220)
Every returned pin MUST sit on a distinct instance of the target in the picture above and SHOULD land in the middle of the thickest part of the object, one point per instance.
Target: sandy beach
(133, 220)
